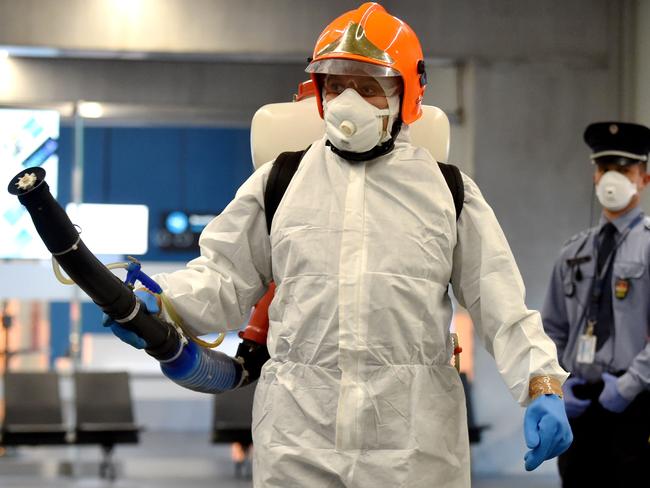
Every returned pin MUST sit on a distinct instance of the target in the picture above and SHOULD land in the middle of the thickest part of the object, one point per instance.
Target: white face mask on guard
(615, 191)
(353, 124)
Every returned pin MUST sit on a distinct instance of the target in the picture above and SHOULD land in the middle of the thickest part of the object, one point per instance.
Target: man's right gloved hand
(151, 304)
(574, 406)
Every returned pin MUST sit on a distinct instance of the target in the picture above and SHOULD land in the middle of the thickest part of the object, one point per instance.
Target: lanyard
(599, 278)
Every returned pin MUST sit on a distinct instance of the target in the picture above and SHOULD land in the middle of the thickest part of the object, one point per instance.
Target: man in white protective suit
(359, 390)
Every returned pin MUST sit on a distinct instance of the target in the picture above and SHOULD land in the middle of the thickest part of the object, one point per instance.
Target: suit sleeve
(487, 282)
(216, 291)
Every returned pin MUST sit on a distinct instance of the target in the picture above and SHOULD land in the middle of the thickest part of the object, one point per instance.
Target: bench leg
(107, 470)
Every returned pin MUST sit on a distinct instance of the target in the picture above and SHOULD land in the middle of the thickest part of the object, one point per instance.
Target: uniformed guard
(597, 311)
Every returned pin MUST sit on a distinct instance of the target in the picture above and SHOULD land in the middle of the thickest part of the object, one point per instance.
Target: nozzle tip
(26, 181)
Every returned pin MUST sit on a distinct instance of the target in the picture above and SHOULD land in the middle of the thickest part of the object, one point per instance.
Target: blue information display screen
(28, 138)
(180, 230)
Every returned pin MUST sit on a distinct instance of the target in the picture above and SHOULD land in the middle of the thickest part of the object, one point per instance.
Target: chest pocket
(629, 269)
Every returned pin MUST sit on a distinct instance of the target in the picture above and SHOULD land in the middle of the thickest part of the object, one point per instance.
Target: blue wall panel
(94, 190)
(218, 162)
(59, 329)
(196, 169)
(193, 169)
(145, 166)
(95, 187)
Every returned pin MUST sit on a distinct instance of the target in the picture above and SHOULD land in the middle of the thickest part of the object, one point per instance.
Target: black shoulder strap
(284, 167)
(455, 183)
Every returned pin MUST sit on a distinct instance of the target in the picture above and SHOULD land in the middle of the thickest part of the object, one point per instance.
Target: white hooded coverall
(359, 390)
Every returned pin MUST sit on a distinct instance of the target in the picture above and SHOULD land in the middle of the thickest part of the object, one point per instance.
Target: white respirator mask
(353, 124)
(615, 191)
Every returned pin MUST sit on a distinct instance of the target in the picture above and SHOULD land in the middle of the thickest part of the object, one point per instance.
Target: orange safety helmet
(369, 34)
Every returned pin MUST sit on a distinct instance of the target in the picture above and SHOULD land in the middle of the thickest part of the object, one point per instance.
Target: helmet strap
(373, 153)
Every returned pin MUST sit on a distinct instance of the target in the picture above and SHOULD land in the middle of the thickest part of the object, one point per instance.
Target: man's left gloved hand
(610, 398)
(546, 429)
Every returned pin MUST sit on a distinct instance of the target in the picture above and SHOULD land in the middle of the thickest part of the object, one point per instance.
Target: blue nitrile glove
(546, 429)
(151, 304)
(610, 398)
(574, 406)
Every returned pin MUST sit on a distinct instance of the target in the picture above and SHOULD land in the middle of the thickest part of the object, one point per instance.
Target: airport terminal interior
(147, 116)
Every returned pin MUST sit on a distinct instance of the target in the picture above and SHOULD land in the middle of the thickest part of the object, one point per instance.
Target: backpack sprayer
(183, 358)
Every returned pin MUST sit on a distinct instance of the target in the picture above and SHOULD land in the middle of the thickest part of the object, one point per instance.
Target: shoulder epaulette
(577, 236)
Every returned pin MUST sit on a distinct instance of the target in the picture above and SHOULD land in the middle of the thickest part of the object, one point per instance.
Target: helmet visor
(350, 67)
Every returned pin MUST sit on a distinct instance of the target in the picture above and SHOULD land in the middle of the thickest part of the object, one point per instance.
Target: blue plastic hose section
(204, 370)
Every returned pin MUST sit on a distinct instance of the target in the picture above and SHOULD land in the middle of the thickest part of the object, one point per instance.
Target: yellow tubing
(164, 300)
(179, 321)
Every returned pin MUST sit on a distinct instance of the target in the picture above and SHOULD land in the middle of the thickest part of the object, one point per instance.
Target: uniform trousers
(609, 450)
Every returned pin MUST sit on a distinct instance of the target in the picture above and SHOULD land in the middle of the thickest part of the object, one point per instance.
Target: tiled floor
(164, 460)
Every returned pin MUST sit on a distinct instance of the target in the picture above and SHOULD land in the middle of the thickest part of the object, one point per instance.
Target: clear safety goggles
(368, 79)
(366, 86)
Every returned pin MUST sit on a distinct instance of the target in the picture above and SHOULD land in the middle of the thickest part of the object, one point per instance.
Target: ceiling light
(90, 110)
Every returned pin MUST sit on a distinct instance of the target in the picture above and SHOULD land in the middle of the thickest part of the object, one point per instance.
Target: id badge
(586, 349)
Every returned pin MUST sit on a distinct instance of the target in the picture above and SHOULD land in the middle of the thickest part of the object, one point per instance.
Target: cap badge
(613, 129)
